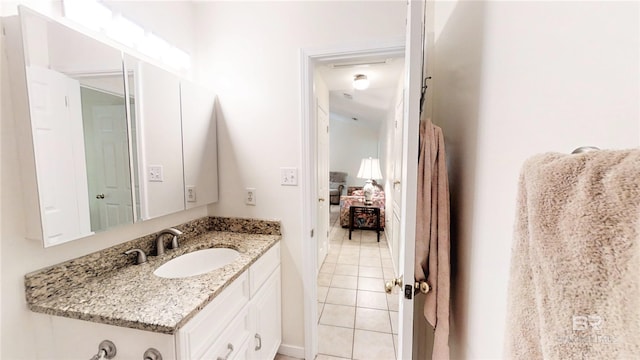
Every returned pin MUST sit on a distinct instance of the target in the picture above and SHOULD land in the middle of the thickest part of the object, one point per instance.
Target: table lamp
(369, 170)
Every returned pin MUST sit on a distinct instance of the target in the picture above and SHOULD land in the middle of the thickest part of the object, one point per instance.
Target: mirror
(80, 130)
(112, 139)
(155, 102)
(199, 145)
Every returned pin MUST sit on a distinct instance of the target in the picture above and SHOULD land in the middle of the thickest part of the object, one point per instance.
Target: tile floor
(356, 319)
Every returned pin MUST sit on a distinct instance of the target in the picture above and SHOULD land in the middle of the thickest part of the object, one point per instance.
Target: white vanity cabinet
(265, 285)
(242, 322)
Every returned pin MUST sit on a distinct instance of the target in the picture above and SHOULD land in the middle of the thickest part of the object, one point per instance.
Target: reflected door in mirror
(108, 171)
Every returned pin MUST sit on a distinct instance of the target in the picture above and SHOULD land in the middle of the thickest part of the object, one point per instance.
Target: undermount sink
(196, 263)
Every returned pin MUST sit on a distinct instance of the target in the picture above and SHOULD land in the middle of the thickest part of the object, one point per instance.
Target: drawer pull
(259, 346)
(230, 347)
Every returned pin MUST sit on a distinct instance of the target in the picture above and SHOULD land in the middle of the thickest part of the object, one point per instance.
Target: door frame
(308, 60)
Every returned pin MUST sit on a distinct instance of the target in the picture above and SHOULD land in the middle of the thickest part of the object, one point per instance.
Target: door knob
(320, 199)
(389, 285)
(100, 196)
(421, 286)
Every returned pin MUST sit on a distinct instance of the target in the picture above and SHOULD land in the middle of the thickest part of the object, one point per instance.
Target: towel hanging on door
(432, 234)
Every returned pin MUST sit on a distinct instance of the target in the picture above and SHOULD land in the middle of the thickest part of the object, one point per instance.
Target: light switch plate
(155, 173)
(288, 176)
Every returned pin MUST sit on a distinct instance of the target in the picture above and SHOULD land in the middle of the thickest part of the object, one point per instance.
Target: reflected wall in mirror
(76, 99)
(200, 150)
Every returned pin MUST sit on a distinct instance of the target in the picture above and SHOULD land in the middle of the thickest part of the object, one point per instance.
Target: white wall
(252, 57)
(20, 256)
(350, 142)
(512, 79)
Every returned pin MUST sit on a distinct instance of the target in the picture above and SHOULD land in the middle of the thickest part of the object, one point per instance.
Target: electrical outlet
(155, 173)
(250, 198)
(191, 193)
(289, 176)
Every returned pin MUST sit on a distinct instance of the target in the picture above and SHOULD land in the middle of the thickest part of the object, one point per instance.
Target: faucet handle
(142, 257)
(174, 242)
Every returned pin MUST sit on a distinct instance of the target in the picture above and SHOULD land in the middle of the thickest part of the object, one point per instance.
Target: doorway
(348, 253)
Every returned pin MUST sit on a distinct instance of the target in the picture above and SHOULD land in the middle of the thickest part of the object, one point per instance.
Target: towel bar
(584, 149)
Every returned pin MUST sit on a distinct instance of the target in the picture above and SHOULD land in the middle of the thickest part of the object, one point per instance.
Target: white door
(408, 181)
(323, 182)
(396, 193)
(112, 197)
(54, 103)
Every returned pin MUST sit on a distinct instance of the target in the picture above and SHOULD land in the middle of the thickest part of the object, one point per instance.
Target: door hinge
(66, 101)
(311, 232)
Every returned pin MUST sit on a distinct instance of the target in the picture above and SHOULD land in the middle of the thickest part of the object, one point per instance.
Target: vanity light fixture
(360, 82)
(96, 16)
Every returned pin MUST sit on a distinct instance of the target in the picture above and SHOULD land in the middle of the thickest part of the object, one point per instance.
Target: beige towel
(432, 234)
(574, 287)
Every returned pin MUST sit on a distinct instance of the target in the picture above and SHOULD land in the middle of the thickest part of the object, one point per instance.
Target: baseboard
(290, 350)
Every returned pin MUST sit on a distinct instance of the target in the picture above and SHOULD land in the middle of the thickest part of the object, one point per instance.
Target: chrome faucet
(160, 240)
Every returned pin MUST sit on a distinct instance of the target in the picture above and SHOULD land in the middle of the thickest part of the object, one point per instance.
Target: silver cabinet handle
(259, 346)
(320, 199)
(230, 347)
(100, 196)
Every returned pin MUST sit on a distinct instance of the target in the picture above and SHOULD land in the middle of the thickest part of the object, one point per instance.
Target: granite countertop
(132, 296)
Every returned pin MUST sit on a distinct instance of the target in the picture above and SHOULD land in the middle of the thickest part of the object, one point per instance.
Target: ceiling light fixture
(360, 82)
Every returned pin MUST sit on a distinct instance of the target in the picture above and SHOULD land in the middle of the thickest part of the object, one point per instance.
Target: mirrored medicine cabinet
(106, 139)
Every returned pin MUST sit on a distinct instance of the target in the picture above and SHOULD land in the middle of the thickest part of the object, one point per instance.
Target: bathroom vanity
(107, 138)
(233, 312)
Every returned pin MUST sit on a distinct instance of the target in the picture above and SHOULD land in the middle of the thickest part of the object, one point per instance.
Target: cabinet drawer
(232, 343)
(261, 269)
(205, 328)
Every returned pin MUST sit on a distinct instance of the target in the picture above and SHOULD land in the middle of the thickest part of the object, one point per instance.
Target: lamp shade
(369, 169)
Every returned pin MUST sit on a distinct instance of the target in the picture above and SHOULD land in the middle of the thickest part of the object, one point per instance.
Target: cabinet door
(200, 149)
(156, 115)
(266, 309)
